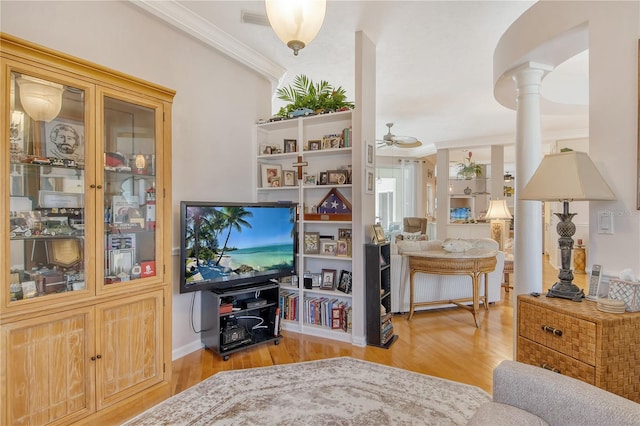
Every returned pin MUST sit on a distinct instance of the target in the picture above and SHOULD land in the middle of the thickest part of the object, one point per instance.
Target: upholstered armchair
(415, 224)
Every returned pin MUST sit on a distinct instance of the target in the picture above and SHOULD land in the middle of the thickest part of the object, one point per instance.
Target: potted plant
(319, 97)
(468, 168)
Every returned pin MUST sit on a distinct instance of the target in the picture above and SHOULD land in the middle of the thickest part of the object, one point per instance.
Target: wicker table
(472, 262)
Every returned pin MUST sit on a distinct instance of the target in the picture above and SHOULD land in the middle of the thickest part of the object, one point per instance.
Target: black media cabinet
(253, 318)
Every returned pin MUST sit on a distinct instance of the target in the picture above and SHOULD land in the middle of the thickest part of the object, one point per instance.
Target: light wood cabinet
(85, 295)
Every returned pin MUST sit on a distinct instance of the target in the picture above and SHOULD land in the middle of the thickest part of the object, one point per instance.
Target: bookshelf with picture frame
(312, 164)
(320, 301)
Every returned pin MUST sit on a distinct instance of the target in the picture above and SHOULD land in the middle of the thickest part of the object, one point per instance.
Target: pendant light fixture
(41, 99)
(296, 22)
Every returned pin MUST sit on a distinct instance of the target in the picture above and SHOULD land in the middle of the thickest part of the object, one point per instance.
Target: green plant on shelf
(468, 169)
(319, 97)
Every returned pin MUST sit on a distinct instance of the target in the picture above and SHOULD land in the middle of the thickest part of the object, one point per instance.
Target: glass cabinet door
(46, 187)
(129, 190)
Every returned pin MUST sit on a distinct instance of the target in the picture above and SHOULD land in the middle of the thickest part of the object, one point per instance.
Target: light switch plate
(605, 222)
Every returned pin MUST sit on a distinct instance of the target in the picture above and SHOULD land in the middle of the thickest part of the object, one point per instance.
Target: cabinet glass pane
(130, 184)
(46, 187)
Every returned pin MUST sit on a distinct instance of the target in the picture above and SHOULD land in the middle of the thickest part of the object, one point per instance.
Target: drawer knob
(551, 330)
(550, 368)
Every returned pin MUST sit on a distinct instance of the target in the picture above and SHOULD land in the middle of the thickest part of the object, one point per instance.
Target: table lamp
(497, 213)
(566, 176)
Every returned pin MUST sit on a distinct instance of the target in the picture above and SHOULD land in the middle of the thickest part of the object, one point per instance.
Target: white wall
(216, 105)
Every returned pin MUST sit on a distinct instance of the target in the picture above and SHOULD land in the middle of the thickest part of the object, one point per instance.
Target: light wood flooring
(442, 343)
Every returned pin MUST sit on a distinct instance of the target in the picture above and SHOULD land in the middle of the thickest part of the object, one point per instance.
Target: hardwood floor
(442, 343)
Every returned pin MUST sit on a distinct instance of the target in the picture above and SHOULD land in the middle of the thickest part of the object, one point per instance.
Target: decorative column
(528, 247)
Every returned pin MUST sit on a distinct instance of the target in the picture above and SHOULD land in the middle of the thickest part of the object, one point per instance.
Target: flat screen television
(226, 245)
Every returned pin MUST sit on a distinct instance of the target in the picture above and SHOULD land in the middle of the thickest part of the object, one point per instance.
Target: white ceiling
(434, 67)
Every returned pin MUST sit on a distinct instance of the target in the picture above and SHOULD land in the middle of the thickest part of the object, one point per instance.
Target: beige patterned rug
(336, 391)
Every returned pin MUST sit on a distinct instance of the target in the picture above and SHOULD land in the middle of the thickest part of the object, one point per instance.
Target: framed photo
(64, 139)
(322, 178)
(290, 145)
(309, 179)
(265, 149)
(331, 141)
(337, 177)
(314, 145)
(311, 242)
(370, 154)
(370, 181)
(328, 247)
(344, 234)
(289, 177)
(328, 279)
(345, 282)
(271, 175)
(343, 248)
(378, 234)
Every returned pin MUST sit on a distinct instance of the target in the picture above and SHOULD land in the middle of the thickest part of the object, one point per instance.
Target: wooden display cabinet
(85, 300)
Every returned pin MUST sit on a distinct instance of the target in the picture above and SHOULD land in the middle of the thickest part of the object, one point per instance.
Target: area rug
(336, 391)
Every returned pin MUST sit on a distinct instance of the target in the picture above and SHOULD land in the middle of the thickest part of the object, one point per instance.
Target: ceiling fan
(400, 141)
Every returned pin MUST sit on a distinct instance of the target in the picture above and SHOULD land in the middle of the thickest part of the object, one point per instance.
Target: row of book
(289, 305)
(386, 328)
(327, 312)
(321, 311)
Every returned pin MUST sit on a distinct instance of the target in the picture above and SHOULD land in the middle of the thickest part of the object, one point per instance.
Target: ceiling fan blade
(404, 139)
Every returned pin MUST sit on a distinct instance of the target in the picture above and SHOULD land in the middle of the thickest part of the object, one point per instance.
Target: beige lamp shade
(41, 99)
(498, 210)
(296, 22)
(567, 176)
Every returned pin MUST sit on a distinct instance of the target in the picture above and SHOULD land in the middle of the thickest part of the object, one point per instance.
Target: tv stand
(234, 319)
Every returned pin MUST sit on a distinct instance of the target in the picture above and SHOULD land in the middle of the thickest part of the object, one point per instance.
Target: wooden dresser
(578, 340)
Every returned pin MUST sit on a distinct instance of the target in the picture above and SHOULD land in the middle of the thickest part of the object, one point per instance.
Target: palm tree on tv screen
(234, 218)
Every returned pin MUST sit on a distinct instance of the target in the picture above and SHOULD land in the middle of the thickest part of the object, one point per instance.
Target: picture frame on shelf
(331, 141)
(337, 177)
(328, 279)
(309, 180)
(328, 247)
(265, 149)
(314, 145)
(344, 285)
(378, 234)
(344, 234)
(289, 178)
(343, 248)
(271, 175)
(290, 145)
(323, 178)
(64, 139)
(311, 243)
(369, 181)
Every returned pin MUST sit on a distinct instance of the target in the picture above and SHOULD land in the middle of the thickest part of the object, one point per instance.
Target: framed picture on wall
(369, 181)
(370, 154)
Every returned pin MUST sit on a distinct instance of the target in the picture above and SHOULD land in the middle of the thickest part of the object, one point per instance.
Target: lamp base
(566, 290)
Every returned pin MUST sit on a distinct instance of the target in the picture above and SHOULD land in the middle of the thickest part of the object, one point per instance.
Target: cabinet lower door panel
(48, 369)
(130, 345)
(535, 354)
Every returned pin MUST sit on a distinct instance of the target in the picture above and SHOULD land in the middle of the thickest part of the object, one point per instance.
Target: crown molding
(185, 20)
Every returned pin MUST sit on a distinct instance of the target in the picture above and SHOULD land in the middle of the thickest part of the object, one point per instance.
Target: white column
(442, 193)
(528, 214)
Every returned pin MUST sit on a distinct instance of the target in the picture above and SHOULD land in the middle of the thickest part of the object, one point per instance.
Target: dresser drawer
(569, 335)
(535, 354)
